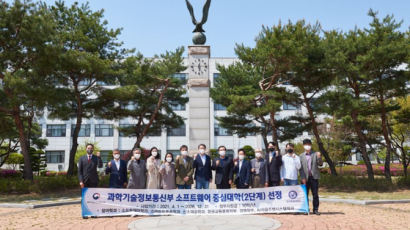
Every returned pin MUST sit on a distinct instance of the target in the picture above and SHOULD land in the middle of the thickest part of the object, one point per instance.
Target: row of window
(107, 130)
(58, 157)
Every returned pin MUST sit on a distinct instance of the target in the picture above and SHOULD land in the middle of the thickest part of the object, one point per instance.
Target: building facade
(201, 125)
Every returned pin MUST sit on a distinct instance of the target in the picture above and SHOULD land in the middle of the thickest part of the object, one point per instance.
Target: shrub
(10, 173)
(403, 182)
(356, 183)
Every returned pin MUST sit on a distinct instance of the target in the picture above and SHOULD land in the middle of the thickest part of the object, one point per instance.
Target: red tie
(89, 158)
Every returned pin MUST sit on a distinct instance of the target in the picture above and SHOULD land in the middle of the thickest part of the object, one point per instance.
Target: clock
(199, 66)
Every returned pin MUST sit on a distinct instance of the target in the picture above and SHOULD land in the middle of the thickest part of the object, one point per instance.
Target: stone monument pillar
(199, 100)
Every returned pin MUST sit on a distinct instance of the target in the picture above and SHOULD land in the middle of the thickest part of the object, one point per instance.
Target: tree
(27, 57)
(300, 59)
(251, 92)
(38, 160)
(146, 91)
(86, 63)
(388, 49)
(15, 159)
(346, 101)
(399, 127)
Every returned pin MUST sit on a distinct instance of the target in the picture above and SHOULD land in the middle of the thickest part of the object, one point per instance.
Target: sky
(155, 26)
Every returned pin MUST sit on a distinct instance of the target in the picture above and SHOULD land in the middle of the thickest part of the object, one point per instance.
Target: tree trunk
(275, 137)
(362, 144)
(386, 139)
(73, 150)
(317, 136)
(28, 171)
(153, 116)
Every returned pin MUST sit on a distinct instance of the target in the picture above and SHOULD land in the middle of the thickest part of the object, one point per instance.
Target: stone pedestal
(199, 100)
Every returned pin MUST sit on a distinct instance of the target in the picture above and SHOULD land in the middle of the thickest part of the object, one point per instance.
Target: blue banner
(119, 202)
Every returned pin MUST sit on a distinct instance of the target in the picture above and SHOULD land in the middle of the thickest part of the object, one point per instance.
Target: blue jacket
(203, 171)
(243, 177)
(117, 177)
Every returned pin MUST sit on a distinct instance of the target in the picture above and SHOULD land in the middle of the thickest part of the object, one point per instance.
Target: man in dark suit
(242, 170)
(117, 169)
(223, 167)
(203, 171)
(87, 168)
(310, 173)
(273, 163)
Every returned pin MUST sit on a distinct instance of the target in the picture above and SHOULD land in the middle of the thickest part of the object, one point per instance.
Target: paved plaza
(334, 216)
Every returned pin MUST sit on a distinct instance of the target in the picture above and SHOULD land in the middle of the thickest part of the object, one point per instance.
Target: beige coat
(153, 175)
(168, 176)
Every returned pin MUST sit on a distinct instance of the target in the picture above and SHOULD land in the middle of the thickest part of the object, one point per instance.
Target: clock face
(199, 66)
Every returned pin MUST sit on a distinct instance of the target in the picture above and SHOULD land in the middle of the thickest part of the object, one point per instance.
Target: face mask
(184, 153)
(154, 154)
(169, 159)
(258, 155)
(241, 157)
(271, 149)
(222, 153)
(202, 151)
(116, 156)
(307, 147)
(289, 150)
(89, 151)
(137, 156)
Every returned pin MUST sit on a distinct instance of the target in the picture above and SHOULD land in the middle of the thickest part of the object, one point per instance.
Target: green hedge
(43, 184)
(349, 183)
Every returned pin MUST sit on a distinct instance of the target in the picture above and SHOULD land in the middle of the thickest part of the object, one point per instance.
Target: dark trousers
(313, 184)
(223, 186)
(274, 183)
(242, 186)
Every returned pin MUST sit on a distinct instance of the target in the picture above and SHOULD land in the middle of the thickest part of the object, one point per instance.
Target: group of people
(273, 169)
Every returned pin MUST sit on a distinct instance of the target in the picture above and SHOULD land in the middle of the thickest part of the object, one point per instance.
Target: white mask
(258, 154)
(184, 153)
(116, 156)
(154, 153)
(222, 153)
(202, 151)
(137, 156)
(307, 147)
(241, 157)
(169, 159)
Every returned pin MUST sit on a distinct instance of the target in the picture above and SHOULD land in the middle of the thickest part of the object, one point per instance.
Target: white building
(107, 137)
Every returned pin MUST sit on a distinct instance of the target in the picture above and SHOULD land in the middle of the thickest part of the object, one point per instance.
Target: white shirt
(240, 165)
(203, 158)
(117, 163)
(290, 167)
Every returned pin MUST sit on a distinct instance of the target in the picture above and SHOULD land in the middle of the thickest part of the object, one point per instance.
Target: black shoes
(316, 212)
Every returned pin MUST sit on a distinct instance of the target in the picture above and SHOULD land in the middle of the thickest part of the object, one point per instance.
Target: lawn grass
(366, 195)
(16, 198)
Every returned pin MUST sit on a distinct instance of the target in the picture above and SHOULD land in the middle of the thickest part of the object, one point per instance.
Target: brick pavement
(334, 216)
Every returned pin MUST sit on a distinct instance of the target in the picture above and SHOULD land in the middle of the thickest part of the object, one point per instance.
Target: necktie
(89, 158)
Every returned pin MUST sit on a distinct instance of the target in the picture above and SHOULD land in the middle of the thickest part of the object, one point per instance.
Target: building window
(84, 130)
(103, 130)
(55, 131)
(287, 106)
(180, 131)
(55, 157)
(220, 131)
(106, 156)
(121, 133)
(219, 107)
(176, 106)
(84, 82)
(181, 76)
